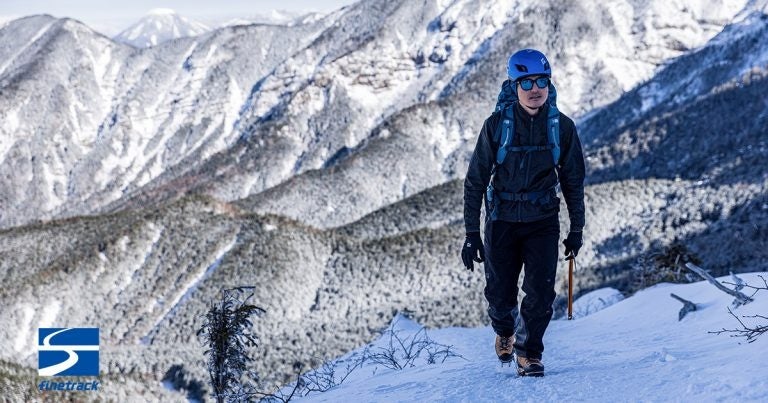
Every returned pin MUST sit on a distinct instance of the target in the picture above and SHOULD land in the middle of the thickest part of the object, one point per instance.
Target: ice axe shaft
(570, 260)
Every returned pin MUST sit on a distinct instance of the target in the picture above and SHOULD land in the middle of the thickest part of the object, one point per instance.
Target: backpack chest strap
(521, 149)
(524, 196)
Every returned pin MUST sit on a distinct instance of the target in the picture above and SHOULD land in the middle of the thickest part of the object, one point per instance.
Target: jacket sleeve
(478, 174)
(571, 173)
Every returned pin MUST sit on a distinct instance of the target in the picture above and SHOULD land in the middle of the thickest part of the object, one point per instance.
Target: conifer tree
(226, 334)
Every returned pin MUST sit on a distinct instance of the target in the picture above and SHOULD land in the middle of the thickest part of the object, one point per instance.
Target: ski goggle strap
(526, 83)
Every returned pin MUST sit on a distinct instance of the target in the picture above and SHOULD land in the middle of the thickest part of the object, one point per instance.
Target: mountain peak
(160, 25)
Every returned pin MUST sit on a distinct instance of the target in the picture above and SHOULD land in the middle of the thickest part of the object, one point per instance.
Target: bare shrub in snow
(399, 350)
(403, 351)
(327, 376)
(330, 374)
(750, 332)
(665, 265)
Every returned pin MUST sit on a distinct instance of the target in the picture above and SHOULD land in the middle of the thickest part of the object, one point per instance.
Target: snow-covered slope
(158, 26)
(635, 350)
(144, 123)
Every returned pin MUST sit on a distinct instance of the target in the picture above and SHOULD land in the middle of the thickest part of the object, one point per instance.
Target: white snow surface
(595, 301)
(634, 350)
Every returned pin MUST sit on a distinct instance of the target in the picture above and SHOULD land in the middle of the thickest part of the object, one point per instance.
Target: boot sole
(537, 374)
(521, 372)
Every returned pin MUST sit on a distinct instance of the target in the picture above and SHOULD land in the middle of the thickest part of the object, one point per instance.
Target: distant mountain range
(162, 24)
(322, 162)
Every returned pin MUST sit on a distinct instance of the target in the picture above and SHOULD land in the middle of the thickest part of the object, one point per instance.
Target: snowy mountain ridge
(274, 17)
(689, 85)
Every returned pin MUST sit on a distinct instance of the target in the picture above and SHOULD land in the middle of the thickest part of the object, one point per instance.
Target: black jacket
(526, 172)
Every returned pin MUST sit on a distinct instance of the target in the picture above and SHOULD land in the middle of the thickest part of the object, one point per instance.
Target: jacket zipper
(528, 160)
(527, 163)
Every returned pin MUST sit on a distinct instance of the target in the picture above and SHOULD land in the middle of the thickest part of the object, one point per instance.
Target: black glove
(573, 243)
(472, 245)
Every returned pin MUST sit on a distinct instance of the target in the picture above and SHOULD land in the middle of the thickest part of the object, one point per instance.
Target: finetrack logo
(68, 351)
(69, 385)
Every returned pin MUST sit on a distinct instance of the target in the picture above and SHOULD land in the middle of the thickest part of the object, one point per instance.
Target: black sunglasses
(526, 83)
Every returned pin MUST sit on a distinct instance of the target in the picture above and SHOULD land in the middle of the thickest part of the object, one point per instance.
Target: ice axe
(571, 259)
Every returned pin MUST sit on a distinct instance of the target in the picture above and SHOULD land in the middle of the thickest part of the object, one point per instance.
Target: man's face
(535, 97)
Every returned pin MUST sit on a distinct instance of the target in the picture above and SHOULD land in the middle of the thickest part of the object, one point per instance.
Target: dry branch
(742, 284)
(750, 333)
(738, 284)
(741, 299)
(688, 306)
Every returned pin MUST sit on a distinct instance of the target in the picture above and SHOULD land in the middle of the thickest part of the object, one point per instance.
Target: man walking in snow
(524, 150)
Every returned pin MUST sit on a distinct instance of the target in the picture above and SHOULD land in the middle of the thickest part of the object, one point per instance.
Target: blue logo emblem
(68, 352)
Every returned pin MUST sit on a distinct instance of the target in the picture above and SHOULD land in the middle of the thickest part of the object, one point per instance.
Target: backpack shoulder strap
(503, 136)
(553, 132)
(553, 125)
(505, 132)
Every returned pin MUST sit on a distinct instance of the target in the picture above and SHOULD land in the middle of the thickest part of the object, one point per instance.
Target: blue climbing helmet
(528, 62)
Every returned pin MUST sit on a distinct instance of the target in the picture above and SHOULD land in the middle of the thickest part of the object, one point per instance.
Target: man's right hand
(469, 252)
(573, 243)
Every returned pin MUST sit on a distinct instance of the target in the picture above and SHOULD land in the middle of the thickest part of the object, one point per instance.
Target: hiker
(525, 148)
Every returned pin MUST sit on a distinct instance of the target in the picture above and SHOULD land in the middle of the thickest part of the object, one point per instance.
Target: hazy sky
(110, 15)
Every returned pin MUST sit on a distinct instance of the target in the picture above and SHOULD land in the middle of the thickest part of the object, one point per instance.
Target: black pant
(508, 248)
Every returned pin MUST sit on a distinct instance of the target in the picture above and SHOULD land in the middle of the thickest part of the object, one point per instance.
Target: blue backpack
(504, 136)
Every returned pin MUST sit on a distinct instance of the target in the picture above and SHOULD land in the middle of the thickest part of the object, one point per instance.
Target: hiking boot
(529, 367)
(504, 348)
